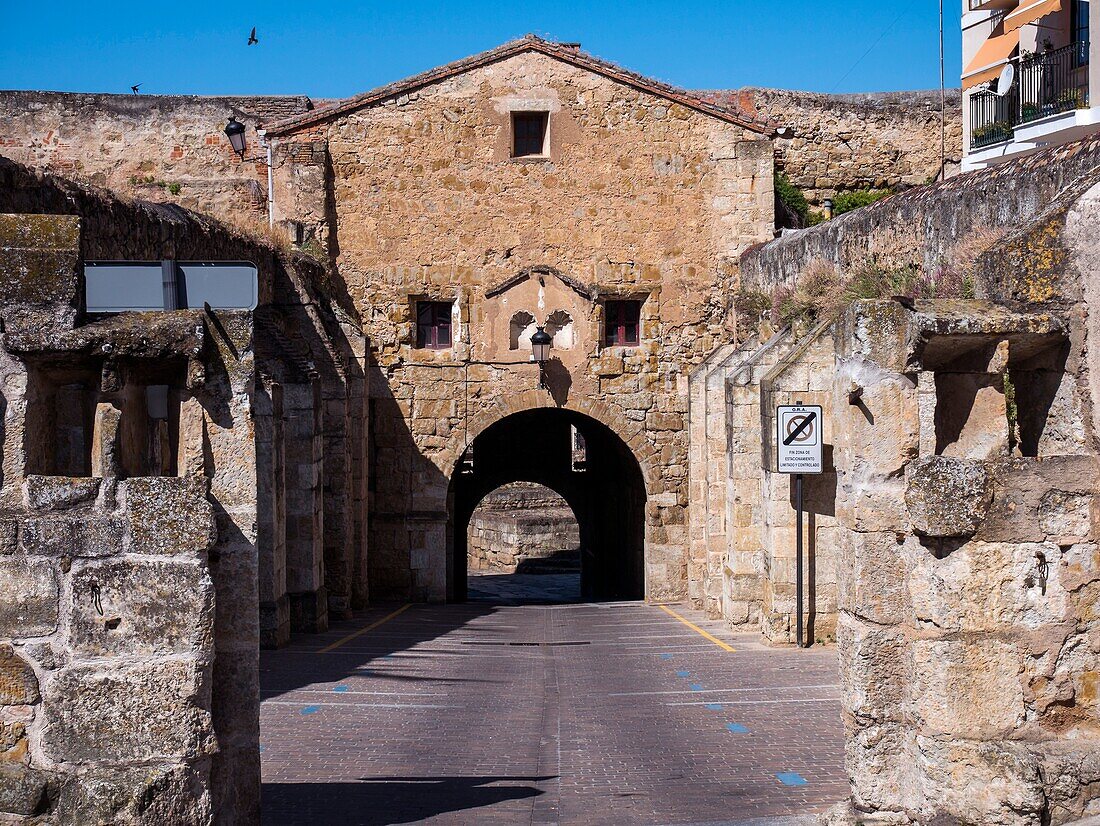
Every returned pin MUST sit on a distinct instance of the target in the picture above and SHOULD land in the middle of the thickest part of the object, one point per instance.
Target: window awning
(991, 57)
(1029, 11)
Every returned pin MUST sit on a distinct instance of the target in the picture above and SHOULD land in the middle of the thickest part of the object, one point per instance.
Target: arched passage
(604, 487)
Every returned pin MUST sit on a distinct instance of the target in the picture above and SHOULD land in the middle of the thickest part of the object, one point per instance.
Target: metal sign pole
(799, 448)
(798, 559)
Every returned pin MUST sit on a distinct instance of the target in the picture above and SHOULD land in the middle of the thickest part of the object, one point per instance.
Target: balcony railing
(1046, 84)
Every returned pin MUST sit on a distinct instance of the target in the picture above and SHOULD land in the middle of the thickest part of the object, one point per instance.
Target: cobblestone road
(497, 712)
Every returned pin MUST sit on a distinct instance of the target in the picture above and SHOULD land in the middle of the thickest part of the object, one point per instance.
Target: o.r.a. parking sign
(798, 438)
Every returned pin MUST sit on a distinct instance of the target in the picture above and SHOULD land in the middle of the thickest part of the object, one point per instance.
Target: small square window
(621, 323)
(529, 134)
(433, 325)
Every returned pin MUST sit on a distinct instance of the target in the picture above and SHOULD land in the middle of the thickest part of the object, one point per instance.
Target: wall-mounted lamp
(540, 352)
(540, 346)
(234, 130)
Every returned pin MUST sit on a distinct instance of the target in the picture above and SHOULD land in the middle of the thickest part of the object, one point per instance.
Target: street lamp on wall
(540, 352)
(540, 346)
(234, 130)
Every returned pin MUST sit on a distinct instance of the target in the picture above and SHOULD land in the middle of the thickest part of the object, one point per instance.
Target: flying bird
(135, 88)
(252, 39)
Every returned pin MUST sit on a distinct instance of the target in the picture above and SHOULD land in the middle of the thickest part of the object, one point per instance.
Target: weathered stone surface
(148, 711)
(967, 688)
(85, 535)
(8, 536)
(172, 794)
(168, 515)
(993, 783)
(13, 742)
(971, 407)
(143, 607)
(947, 497)
(1035, 499)
(59, 492)
(880, 767)
(18, 684)
(25, 791)
(872, 575)
(874, 670)
(985, 586)
(28, 597)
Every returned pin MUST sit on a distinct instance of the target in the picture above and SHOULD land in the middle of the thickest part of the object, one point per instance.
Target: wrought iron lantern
(540, 346)
(234, 130)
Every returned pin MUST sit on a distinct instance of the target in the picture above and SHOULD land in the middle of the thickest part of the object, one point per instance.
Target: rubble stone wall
(161, 148)
(640, 198)
(964, 525)
(837, 143)
(522, 526)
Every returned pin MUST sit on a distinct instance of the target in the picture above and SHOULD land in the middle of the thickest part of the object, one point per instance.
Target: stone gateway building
(182, 486)
(530, 186)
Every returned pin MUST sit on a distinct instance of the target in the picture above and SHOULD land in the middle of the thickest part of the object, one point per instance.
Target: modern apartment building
(1030, 76)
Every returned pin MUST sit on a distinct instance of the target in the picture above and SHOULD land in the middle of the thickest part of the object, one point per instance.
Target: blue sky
(330, 49)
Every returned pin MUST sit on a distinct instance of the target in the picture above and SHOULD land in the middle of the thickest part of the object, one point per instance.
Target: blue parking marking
(340, 689)
(311, 709)
(666, 656)
(683, 673)
(791, 779)
(737, 728)
(713, 706)
(262, 749)
(696, 686)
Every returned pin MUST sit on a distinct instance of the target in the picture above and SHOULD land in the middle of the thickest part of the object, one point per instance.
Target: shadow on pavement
(390, 800)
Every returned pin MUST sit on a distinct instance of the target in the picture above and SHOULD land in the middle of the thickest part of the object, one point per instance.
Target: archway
(588, 465)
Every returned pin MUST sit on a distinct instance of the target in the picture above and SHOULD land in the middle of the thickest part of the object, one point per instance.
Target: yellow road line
(370, 627)
(697, 629)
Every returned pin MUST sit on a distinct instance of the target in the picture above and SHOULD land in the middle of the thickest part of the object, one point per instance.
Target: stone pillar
(305, 508)
(966, 574)
(271, 503)
(337, 503)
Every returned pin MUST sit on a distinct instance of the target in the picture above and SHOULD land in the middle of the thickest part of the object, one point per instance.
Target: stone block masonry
(523, 528)
(134, 550)
(639, 196)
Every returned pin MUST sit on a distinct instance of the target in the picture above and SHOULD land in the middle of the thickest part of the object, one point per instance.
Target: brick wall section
(860, 141)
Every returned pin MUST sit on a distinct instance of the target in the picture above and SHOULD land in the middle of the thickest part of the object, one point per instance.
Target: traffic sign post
(798, 451)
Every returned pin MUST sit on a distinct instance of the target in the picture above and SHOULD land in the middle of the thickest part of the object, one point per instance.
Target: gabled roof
(565, 52)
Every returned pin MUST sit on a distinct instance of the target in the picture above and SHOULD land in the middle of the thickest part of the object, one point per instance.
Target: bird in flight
(135, 88)
(252, 39)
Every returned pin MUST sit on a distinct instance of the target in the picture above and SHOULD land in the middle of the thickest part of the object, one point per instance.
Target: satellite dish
(1004, 82)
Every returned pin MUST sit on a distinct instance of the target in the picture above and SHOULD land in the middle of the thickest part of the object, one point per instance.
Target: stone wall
(523, 528)
(968, 566)
(742, 512)
(965, 498)
(161, 148)
(134, 547)
(928, 226)
(840, 143)
(641, 197)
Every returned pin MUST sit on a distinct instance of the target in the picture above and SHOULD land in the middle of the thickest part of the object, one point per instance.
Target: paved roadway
(501, 712)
